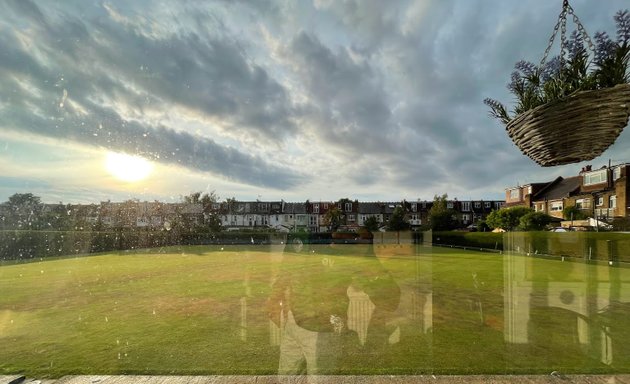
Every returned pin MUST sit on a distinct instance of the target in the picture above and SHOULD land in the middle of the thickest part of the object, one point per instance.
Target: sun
(127, 167)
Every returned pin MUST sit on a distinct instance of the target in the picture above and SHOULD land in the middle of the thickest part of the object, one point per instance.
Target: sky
(294, 100)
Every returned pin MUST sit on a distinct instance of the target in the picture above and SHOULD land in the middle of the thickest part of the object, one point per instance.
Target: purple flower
(604, 47)
(575, 45)
(622, 19)
(527, 68)
(551, 69)
(515, 82)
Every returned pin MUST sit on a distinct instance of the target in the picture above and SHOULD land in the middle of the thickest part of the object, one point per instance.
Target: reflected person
(309, 302)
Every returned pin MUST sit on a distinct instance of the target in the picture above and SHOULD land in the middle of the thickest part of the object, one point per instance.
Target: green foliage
(482, 226)
(573, 213)
(440, 217)
(397, 222)
(534, 221)
(487, 240)
(507, 218)
(334, 218)
(371, 224)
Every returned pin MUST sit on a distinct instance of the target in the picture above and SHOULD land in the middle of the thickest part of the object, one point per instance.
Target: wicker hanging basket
(575, 128)
(578, 128)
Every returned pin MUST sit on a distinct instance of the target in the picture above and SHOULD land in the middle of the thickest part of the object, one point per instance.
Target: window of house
(325, 205)
(556, 206)
(583, 203)
(351, 218)
(498, 204)
(466, 206)
(449, 205)
(477, 204)
(515, 194)
(414, 207)
(617, 173)
(465, 217)
(612, 201)
(487, 204)
(600, 201)
(348, 207)
(595, 177)
(315, 208)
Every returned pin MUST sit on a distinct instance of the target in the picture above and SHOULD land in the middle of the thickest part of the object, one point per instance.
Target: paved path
(481, 379)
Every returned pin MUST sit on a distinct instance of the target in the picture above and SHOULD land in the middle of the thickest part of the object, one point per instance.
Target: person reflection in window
(309, 302)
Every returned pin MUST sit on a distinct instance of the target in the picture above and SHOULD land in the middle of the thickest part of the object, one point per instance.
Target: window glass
(308, 187)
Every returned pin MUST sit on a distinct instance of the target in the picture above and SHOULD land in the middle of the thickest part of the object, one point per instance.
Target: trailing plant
(576, 71)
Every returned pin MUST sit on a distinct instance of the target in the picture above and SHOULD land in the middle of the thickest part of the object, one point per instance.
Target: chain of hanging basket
(578, 127)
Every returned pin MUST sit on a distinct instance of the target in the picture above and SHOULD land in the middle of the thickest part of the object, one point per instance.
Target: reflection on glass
(564, 312)
(298, 304)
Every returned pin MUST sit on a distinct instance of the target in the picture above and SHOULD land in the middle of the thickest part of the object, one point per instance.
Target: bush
(534, 221)
(487, 240)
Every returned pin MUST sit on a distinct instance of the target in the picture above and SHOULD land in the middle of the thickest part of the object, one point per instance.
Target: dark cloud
(73, 70)
(392, 91)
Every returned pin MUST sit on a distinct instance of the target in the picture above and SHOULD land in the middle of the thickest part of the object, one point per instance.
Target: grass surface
(203, 310)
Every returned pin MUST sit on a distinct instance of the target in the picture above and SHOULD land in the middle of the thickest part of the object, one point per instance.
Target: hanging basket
(577, 128)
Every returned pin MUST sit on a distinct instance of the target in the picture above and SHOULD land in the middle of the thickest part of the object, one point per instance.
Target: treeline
(33, 244)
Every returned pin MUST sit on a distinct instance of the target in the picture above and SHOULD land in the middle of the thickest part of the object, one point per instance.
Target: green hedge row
(604, 246)
(486, 240)
(30, 244)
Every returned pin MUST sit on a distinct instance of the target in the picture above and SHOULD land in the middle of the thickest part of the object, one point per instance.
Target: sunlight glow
(127, 167)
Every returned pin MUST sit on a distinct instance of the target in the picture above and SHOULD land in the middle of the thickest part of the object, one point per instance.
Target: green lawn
(203, 310)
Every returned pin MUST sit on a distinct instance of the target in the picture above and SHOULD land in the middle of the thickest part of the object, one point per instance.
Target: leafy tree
(482, 226)
(24, 200)
(334, 218)
(507, 218)
(24, 211)
(441, 218)
(193, 198)
(212, 219)
(371, 224)
(397, 222)
(573, 213)
(534, 221)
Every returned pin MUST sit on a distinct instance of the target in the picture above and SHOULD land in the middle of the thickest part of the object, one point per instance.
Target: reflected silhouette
(331, 302)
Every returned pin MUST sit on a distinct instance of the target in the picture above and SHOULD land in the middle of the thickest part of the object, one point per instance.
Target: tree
(211, 217)
(507, 218)
(193, 198)
(573, 213)
(534, 221)
(24, 210)
(441, 218)
(397, 222)
(371, 224)
(333, 218)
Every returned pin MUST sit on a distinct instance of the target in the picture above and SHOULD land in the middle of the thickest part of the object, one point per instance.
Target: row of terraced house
(311, 216)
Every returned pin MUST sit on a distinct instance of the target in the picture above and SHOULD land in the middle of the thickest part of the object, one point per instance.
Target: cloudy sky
(294, 100)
